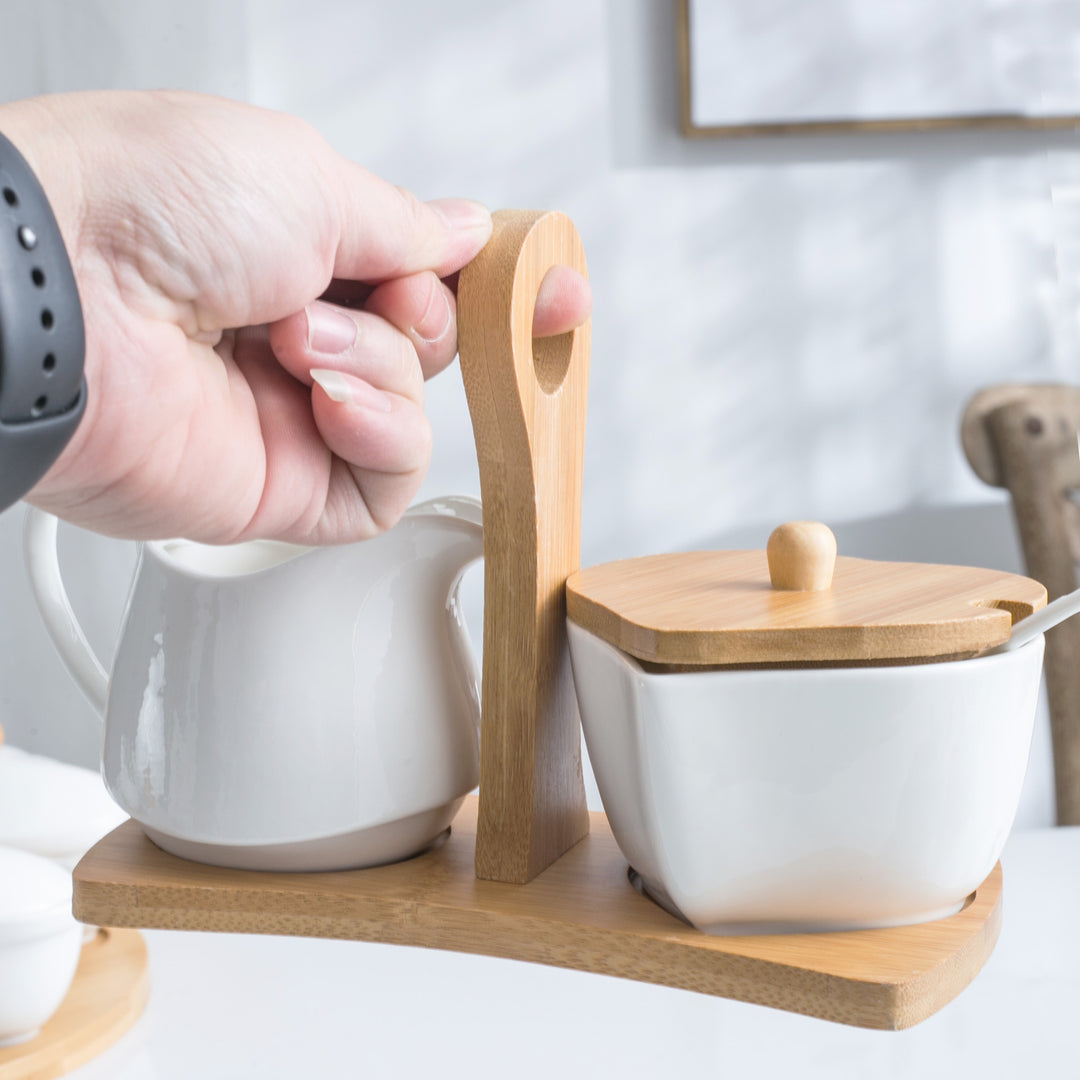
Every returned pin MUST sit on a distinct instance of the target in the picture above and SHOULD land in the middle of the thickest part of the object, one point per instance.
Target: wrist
(38, 129)
(42, 392)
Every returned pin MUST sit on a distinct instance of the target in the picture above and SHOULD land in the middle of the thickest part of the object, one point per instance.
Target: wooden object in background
(106, 998)
(527, 400)
(1024, 438)
(581, 913)
(719, 607)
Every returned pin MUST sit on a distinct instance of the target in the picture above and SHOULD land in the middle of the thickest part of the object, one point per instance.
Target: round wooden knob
(801, 556)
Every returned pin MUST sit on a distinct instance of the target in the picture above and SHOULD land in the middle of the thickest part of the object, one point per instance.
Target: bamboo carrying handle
(527, 400)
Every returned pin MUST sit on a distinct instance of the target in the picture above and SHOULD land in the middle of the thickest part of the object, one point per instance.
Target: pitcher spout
(457, 520)
(459, 513)
(454, 533)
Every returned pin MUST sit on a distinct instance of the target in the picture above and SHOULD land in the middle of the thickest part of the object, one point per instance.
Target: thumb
(387, 232)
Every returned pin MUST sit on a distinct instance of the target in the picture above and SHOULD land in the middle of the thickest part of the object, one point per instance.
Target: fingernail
(347, 390)
(462, 213)
(329, 330)
(433, 325)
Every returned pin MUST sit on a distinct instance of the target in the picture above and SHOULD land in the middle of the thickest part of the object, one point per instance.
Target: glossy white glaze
(808, 799)
(39, 942)
(260, 701)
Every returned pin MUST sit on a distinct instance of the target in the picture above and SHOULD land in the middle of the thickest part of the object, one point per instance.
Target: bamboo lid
(796, 603)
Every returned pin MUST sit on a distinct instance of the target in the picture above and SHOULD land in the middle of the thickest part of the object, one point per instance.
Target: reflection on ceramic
(283, 708)
(39, 943)
(53, 809)
(762, 801)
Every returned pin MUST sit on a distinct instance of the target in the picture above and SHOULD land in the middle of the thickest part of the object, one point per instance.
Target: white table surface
(231, 1005)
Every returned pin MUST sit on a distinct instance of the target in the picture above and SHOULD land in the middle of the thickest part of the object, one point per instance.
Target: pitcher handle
(47, 584)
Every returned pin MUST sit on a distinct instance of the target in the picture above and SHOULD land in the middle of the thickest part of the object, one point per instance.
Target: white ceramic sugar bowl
(783, 759)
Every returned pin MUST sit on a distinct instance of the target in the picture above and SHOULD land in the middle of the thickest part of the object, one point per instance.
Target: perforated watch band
(42, 390)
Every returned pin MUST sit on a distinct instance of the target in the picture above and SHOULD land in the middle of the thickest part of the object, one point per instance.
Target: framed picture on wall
(775, 66)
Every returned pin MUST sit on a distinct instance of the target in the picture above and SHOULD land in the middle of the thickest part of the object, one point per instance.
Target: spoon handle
(527, 400)
(1057, 611)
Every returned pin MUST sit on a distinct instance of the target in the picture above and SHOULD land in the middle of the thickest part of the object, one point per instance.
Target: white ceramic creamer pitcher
(274, 707)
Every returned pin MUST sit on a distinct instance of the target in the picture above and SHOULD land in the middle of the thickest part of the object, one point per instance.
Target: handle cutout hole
(551, 360)
(10, 197)
(48, 365)
(37, 275)
(1016, 608)
(47, 319)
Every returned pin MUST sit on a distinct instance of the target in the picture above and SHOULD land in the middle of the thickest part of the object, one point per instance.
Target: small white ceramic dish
(39, 943)
(771, 800)
(51, 808)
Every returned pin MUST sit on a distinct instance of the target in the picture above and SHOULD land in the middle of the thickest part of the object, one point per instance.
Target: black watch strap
(42, 391)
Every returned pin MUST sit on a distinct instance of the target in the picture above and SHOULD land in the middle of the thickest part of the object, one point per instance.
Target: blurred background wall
(784, 327)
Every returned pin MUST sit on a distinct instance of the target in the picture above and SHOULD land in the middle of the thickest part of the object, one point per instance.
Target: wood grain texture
(581, 913)
(105, 999)
(1024, 438)
(527, 400)
(718, 607)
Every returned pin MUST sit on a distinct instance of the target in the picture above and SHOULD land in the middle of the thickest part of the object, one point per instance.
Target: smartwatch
(42, 343)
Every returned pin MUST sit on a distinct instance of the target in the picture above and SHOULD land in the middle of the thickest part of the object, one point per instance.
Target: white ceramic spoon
(1057, 611)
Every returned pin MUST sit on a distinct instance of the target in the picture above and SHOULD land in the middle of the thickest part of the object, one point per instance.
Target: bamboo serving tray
(526, 872)
(581, 913)
(106, 997)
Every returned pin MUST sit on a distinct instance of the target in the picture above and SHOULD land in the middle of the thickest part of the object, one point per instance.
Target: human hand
(202, 233)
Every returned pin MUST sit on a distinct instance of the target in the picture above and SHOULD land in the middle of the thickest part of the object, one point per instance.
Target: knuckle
(414, 221)
(412, 374)
(413, 209)
(425, 443)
